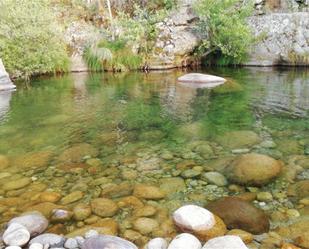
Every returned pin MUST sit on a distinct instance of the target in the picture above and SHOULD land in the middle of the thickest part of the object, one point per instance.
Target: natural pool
(67, 140)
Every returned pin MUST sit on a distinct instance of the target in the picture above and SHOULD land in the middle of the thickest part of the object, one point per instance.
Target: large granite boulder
(5, 82)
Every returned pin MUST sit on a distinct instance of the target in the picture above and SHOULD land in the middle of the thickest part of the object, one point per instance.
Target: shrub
(30, 40)
(226, 32)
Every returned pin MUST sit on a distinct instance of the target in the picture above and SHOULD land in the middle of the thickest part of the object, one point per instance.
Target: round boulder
(198, 221)
(157, 243)
(239, 214)
(253, 169)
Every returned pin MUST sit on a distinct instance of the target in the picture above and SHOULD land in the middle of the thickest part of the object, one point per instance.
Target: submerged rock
(199, 221)
(148, 192)
(240, 214)
(253, 169)
(16, 235)
(185, 241)
(104, 207)
(35, 222)
(225, 242)
(77, 152)
(107, 242)
(299, 189)
(238, 139)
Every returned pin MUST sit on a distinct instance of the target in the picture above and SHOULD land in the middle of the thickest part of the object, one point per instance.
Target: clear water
(138, 119)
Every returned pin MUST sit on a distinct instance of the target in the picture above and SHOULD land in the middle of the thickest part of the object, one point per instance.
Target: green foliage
(30, 40)
(223, 23)
(112, 56)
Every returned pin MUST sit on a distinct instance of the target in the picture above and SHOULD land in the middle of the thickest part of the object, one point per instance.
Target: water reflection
(282, 92)
(5, 98)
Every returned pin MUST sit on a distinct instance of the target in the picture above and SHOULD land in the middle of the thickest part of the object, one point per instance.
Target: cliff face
(283, 39)
(282, 31)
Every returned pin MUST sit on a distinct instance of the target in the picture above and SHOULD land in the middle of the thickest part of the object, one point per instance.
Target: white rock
(36, 246)
(13, 247)
(185, 241)
(91, 233)
(71, 243)
(157, 243)
(225, 242)
(51, 239)
(16, 235)
(192, 217)
(80, 240)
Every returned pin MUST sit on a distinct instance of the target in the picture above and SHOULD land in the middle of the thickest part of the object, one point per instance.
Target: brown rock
(107, 223)
(130, 201)
(77, 152)
(33, 160)
(145, 225)
(44, 208)
(245, 236)
(148, 192)
(299, 189)
(145, 211)
(104, 207)
(240, 214)
(303, 240)
(4, 162)
(289, 246)
(81, 211)
(117, 190)
(50, 197)
(238, 139)
(72, 197)
(253, 169)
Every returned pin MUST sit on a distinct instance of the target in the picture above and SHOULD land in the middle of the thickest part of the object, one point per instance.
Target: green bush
(30, 39)
(226, 32)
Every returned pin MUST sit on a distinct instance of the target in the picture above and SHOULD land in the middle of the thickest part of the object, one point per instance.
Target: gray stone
(215, 178)
(16, 235)
(53, 240)
(107, 242)
(71, 243)
(35, 222)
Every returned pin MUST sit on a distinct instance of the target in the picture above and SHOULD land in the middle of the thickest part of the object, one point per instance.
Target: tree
(30, 38)
(225, 29)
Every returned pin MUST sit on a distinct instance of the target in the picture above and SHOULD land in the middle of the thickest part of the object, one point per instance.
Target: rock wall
(283, 39)
(5, 82)
(176, 40)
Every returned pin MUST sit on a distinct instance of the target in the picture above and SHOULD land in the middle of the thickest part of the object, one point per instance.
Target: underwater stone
(107, 242)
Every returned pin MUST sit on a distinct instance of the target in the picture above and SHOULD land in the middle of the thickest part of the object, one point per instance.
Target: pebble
(185, 241)
(145, 225)
(225, 242)
(36, 246)
(72, 197)
(16, 235)
(13, 247)
(157, 243)
(51, 239)
(215, 178)
(264, 196)
(190, 173)
(107, 241)
(69, 244)
(91, 233)
(193, 217)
